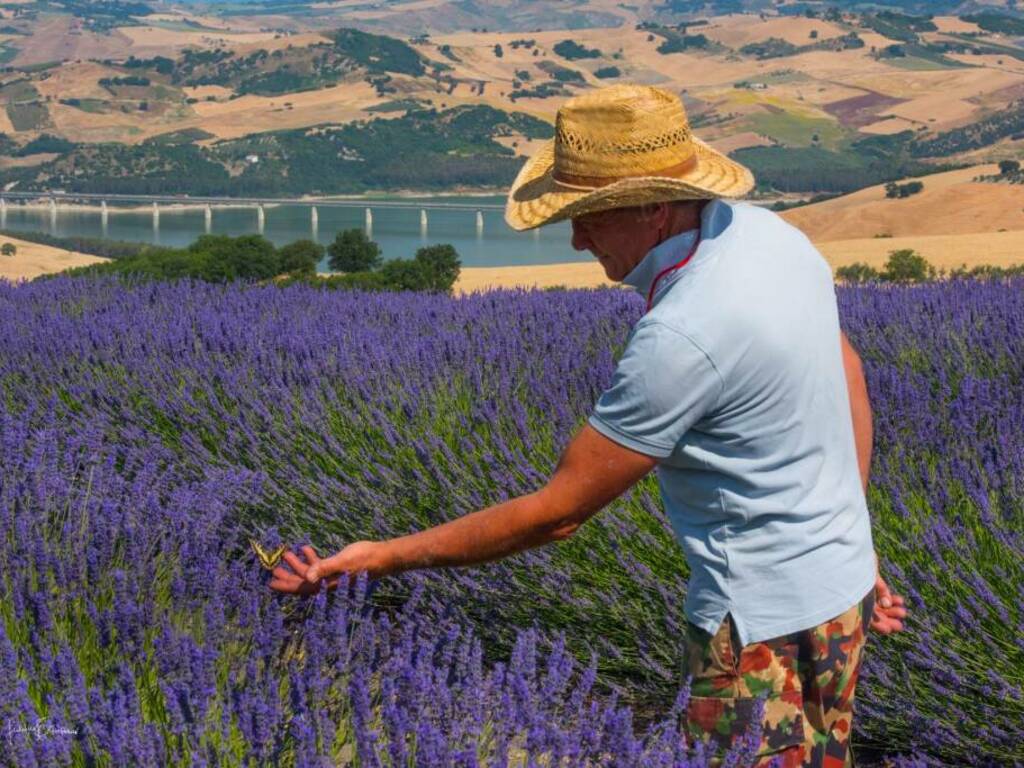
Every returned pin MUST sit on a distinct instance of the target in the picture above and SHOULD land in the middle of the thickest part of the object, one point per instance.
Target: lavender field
(147, 431)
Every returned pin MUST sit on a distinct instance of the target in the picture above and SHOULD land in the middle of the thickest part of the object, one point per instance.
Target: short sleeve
(664, 383)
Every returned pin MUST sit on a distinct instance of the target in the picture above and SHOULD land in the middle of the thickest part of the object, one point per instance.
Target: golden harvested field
(954, 24)
(61, 38)
(888, 126)
(33, 259)
(251, 114)
(1000, 249)
(950, 204)
(937, 110)
(738, 31)
(584, 274)
(151, 41)
(734, 141)
(275, 43)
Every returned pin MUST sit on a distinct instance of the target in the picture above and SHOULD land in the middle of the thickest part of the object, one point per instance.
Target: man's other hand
(889, 609)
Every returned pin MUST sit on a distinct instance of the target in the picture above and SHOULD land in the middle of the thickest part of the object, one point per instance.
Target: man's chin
(612, 275)
(609, 271)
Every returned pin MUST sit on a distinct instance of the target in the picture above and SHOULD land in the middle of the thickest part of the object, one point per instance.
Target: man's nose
(580, 239)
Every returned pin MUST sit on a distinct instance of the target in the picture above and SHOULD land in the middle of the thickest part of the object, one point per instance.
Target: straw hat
(615, 147)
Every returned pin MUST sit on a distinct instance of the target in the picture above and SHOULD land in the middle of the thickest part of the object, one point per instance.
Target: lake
(398, 231)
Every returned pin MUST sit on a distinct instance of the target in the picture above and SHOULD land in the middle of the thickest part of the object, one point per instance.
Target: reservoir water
(484, 240)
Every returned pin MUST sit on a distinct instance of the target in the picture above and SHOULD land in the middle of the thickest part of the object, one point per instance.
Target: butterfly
(267, 559)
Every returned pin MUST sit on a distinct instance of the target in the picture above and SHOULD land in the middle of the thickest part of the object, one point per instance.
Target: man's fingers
(293, 560)
(288, 582)
(292, 584)
(310, 553)
(325, 567)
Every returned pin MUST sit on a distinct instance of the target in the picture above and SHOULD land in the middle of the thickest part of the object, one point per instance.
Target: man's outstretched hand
(305, 575)
(889, 609)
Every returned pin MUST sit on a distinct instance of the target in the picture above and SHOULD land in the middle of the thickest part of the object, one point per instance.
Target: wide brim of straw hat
(536, 198)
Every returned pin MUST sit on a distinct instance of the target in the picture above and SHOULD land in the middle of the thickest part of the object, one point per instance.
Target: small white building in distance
(252, 159)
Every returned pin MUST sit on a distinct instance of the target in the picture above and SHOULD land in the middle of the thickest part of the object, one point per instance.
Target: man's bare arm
(592, 472)
(860, 408)
(890, 610)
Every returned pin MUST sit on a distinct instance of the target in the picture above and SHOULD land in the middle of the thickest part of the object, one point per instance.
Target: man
(738, 387)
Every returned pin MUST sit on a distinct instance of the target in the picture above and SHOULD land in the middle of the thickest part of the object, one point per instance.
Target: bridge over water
(54, 197)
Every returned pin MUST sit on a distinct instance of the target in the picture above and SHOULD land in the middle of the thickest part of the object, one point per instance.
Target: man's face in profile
(619, 238)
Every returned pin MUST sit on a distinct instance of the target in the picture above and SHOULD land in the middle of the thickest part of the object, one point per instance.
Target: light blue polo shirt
(734, 380)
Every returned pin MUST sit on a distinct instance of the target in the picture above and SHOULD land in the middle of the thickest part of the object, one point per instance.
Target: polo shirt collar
(665, 254)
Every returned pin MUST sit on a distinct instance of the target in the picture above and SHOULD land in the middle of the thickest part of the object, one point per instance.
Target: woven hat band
(597, 182)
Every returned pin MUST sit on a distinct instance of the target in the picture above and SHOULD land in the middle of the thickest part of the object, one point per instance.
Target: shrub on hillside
(569, 49)
(892, 189)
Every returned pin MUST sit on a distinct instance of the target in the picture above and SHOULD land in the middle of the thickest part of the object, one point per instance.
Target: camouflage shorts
(808, 677)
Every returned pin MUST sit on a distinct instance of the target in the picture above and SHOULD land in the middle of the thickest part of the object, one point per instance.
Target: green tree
(440, 265)
(228, 258)
(353, 251)
(498, 52)
(300, 257)
(8, 249)
(1008, 167)
(857, 272)
(405, 275)
(907, 266)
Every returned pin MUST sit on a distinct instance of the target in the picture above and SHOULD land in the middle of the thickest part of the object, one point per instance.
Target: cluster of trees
(992, 21)
(907, 266)
(220, 258)
(1008, 122)
(432, 268)
(772, 48)
(898, 26)
(107, 82)
(892, 189)
(1009, 171)
(571, 50)
(215, 258)
(776, 47)
(379, 53)
(539, 91)
(869, 161)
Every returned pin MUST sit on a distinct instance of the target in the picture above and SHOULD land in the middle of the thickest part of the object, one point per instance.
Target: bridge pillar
(53, 215)
(156, 215)
(103, 216)
(479, 223)
(261, 219)
(369, 223)
(207, 219)
(423, 222)
(3, 212)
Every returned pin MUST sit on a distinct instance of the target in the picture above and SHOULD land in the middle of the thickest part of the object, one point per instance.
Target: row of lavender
(147, 431)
